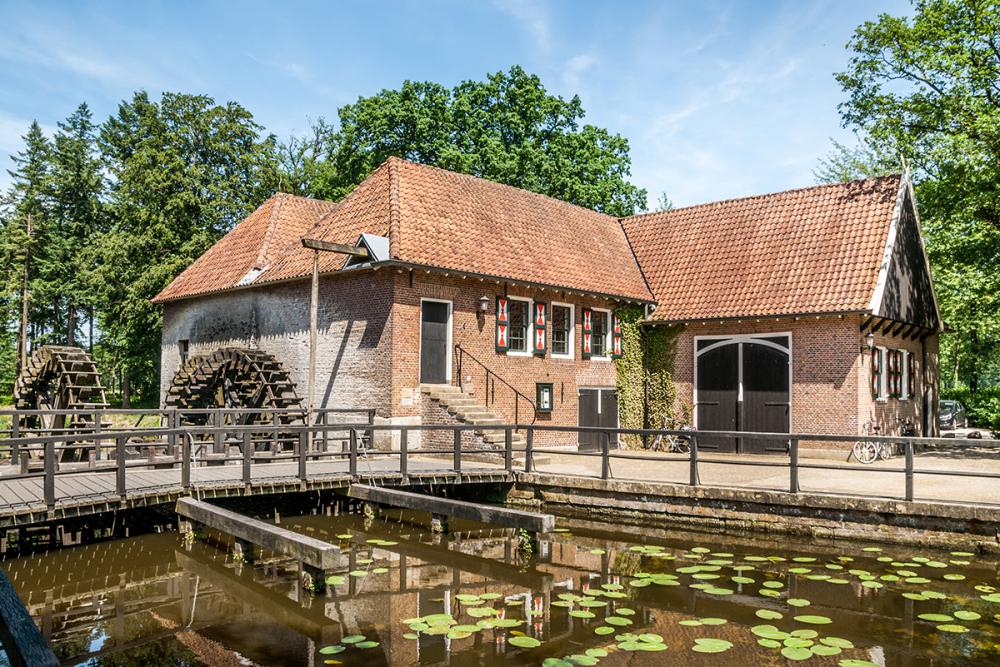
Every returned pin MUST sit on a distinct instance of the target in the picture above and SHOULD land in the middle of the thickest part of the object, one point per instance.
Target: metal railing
(490, 384)
(125, 448)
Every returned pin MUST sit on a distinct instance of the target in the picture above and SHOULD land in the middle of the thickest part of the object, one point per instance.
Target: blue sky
(719, 99)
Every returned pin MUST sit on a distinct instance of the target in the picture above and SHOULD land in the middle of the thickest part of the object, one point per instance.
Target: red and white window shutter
(503, 324)
(616, 337)
(541, 318)
(587, 339)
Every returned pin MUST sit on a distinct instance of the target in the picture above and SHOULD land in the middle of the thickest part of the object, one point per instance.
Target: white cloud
(574, 69)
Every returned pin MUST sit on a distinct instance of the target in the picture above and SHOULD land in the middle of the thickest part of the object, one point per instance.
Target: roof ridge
(395, 241)
(292, 195)
(805, 188)
(563, 202)
(272, 223)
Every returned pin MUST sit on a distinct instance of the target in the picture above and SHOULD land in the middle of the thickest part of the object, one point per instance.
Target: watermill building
(471, 301)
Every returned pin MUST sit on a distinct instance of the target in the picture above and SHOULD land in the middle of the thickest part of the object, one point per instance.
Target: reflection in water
(594, 596)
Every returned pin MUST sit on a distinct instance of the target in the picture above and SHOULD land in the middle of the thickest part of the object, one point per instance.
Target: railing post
(909, 470)
(247, 456)
(508, 449)
(458, 450)
(370, 433)
(694, 460)
(529, 449)
(120, 466)
(15, 433)
(301, 446)
(793, 467)
(98, 418)
(352, 467)
(217, 431)
(172, 423)
(404, 434)
(50, 475)
(606, 455)
(517, 414)
(186, 461)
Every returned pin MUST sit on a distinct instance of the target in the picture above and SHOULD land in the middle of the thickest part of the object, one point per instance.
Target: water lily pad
(798, 602)
(580, 613)
(797, 652)
(358, 573)
(598, 552)
(851, 662)
(352, 639)
(411, 635)
(719, 591)
(824, 650)
(804, 633)
(690, 622)
(380, 570)
(742, 580)
(481, 612)
(813, 620)
(603, 630)
(773, 584)
(954, 577)
(711, 645)
(769, 643)
(617, 620)
(875, 585)
(936, 618)
(915, 596)
(344, 536)
(624, 611)
(455, 633)
(333, 650)
(992, 597)
(335, 580)
(651, 638)
(713, 621)
(768, 614)
(524, 642)
(964, 615)
(957, 629)
(839, 642)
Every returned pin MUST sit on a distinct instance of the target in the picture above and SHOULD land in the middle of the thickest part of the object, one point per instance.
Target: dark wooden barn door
(597, 407)
(434, 320)
(718, 396)
(765, 397)
(743, 385)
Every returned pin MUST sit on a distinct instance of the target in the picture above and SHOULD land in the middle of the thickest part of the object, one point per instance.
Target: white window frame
(904, 394)
(571, 338)
(606, 353)
(529, 334)
(420, 337)
(883, 378)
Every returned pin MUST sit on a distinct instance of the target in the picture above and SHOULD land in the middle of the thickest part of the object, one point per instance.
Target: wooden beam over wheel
(326, 246)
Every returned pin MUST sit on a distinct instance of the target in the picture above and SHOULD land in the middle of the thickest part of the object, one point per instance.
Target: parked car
(952, 415)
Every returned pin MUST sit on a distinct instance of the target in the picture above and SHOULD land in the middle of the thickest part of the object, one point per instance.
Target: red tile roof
(807, 251)
(258, 241)
(440, 219)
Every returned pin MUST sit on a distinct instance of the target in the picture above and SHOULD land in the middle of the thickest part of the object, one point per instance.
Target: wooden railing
(126, 447)
(490, 382)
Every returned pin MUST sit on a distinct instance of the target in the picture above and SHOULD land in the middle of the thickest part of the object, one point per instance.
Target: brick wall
(475, 333)
(888, 412)
(825, 354)
(353, 342)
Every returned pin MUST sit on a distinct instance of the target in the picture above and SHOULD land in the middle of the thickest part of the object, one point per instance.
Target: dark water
(473, 596)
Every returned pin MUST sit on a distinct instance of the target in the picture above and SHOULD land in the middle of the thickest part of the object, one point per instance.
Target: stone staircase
(467, 409)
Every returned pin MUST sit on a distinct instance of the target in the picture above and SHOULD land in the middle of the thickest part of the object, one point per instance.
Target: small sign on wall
(543, 397)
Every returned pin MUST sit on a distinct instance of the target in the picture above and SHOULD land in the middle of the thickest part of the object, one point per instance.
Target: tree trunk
(126, 390)
(90, 334)
(70, 324)
(22, 341)
(974, 360)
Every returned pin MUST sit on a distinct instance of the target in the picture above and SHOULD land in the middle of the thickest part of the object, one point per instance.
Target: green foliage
(183, 171)
(507, 128)
(982, 405)
(644, 374)
(849, 163)
(928, 87)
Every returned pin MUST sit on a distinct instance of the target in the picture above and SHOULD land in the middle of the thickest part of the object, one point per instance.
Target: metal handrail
(489, 389)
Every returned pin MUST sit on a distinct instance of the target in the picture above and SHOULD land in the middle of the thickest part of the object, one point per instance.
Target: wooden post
(371, 432)
(403, 454)
(606, 456)
(313, 325)
(186, 461)
(694, 460)
(302, 447)
(120, 466)
(98, 418)
(529, 447)
(217, 431)
(247, 456)
(352, 468)
(508, 449)
(15, 433)
(793, 466)
(909, 470)
(50, 475)
(458, 450)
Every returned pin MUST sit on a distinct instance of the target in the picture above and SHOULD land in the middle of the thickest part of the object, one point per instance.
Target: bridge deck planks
(22, 499)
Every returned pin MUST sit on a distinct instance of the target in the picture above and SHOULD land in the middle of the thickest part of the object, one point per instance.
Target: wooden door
(435, 320)
(599, 408)
(718, 396)
(765, 404)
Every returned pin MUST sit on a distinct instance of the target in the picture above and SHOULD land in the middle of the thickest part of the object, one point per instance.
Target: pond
(592, 594)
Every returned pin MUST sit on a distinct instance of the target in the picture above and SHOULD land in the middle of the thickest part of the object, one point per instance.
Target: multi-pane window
(599, 340)
(519, 321)
(562, 320)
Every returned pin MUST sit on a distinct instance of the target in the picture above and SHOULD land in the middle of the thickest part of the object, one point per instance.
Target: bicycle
(674, 444)
(869, 451)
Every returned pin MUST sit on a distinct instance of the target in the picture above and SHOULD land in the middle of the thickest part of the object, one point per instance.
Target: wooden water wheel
(236, 378)
(60, 378)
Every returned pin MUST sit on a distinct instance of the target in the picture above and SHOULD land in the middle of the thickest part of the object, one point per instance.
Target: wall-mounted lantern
(543, 397)
(869, 343)
(484, 304)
